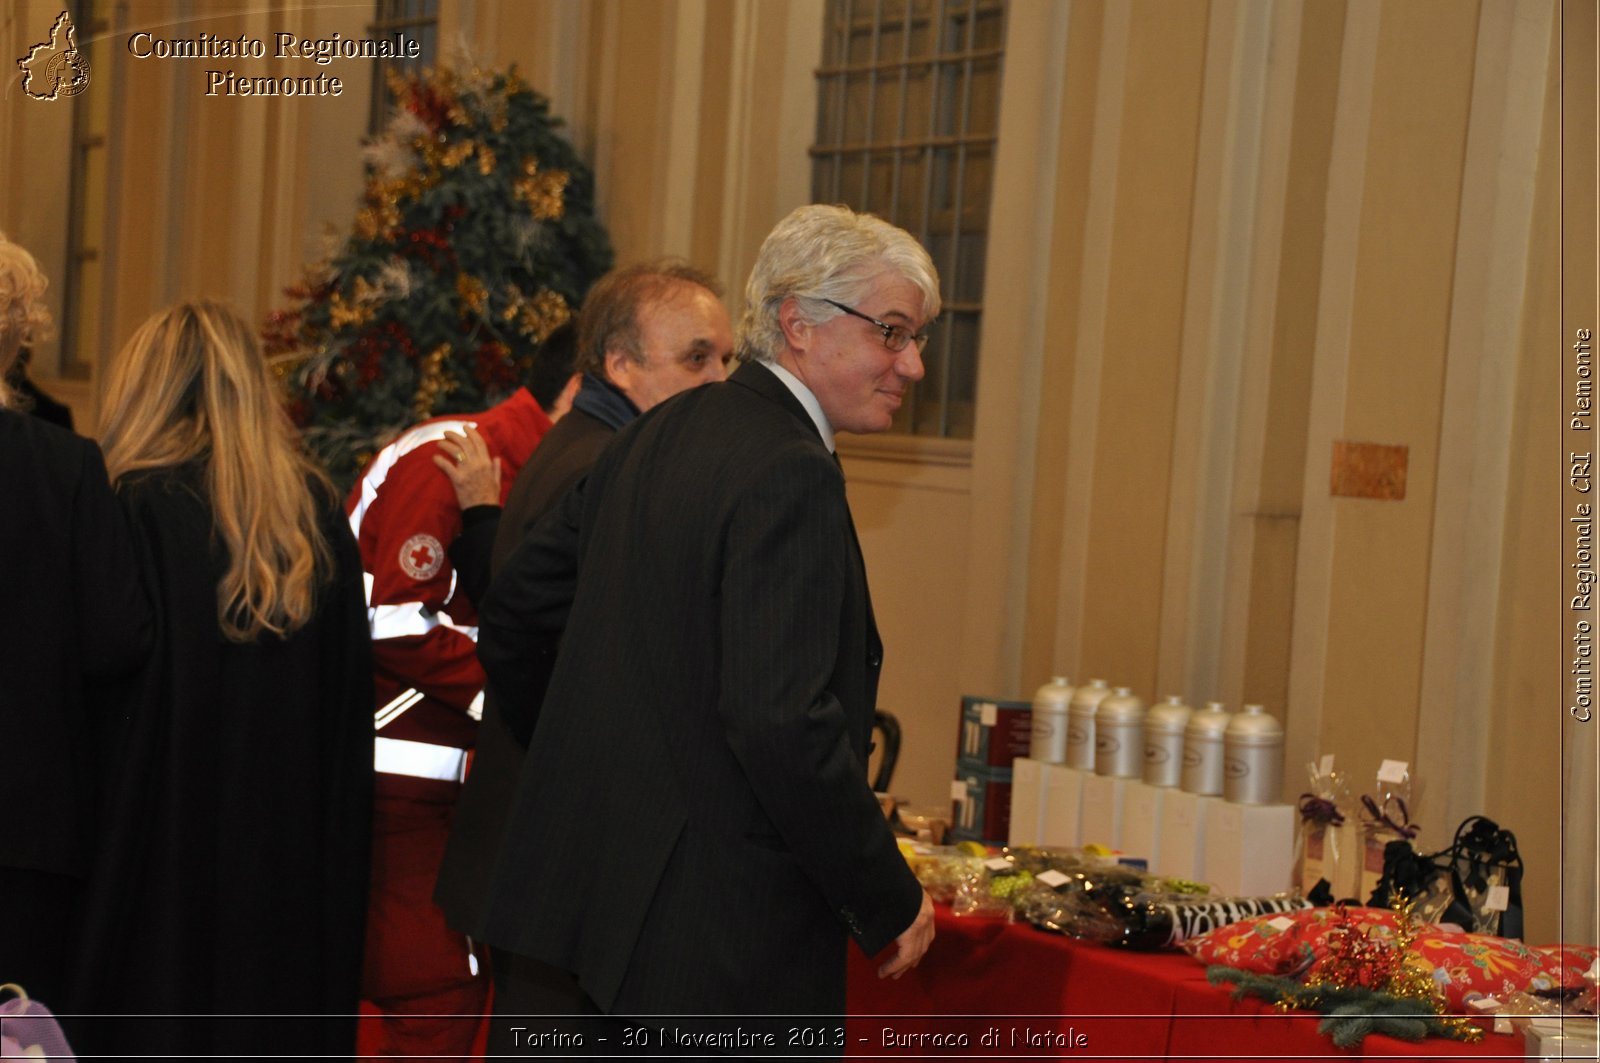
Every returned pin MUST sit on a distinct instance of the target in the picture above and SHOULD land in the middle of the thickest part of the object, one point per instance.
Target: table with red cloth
(1018, 992)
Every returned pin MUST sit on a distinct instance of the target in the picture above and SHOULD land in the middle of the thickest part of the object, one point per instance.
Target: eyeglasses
(895, 337)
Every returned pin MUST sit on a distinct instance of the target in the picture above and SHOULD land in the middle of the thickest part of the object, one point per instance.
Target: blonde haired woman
(78, 620)
(233, 880)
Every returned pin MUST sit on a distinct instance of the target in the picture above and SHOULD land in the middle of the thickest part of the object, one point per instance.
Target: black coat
(693, 830)
(563, 456)
(233, 875)
(78, 620)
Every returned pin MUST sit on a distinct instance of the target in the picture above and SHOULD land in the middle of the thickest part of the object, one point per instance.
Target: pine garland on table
(476, 238)
(1362, 986)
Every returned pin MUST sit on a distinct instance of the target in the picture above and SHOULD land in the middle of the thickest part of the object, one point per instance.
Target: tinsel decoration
(1363, 985)
(475, 238)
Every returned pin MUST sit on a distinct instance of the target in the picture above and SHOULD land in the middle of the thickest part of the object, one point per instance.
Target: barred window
(908, 106)
(418, 20)
(83, 282)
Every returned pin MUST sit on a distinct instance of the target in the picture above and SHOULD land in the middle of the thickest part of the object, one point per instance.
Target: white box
(1103, 797)
(1027, 802)
(1063, 806)
(1249, 849)
(1183, 834)
(1142, 808)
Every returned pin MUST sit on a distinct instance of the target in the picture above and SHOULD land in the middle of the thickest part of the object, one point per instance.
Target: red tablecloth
(1017, 992)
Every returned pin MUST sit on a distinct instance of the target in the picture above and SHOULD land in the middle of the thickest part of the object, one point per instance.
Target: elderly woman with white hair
(79, 622)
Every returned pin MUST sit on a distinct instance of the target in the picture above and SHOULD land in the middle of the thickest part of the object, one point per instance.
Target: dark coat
(693, 830)
(78, 620)
(563, 456)
(233, 876)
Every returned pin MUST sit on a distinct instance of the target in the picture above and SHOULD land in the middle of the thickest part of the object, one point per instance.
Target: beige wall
(1234, 234)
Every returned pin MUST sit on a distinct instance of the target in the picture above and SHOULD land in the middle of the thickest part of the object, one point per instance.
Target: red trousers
(418, 972)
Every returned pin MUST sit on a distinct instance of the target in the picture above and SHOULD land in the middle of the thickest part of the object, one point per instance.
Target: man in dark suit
(645, 333)
(693, 831)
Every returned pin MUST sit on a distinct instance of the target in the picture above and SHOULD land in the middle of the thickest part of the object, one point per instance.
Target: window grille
(82, 285)
(908, 108)
(417, 19)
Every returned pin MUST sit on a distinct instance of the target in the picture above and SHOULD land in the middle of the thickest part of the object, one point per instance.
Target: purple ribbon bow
(1380, 817)
(1314, 809)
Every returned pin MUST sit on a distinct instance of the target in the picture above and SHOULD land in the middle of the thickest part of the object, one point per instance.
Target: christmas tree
(476, 238)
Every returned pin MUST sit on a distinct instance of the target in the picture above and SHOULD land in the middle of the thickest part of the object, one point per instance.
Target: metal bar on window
(911, 143)
(958, 208)
(841, 90)
(869, 119)
(900, 119)
(883, 65)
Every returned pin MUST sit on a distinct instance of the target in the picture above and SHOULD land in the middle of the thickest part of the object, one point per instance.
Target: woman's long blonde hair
(192, 384)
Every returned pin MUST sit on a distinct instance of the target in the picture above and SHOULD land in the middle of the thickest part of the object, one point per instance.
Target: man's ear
(620, 368)
(792, 320)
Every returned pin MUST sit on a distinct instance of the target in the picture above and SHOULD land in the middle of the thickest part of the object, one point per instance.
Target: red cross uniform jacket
(404, 513)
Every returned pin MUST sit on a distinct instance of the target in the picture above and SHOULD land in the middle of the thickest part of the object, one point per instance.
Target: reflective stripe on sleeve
(420, 760)
(395, 708)
(412, 618)
(378, 471)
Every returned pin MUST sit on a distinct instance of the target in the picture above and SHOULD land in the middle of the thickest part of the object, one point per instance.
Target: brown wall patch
(1368, 470)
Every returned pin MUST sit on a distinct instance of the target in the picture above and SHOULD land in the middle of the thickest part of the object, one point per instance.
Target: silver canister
(1119, 735)
(1253, 758)
(1050, 703)
(1080, 723)
(1163, 741)
(1202, 750)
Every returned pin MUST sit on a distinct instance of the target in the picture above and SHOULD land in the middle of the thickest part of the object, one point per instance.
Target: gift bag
(1422, 878)
(28, 1030)
(1485, 879)
(1476, 883)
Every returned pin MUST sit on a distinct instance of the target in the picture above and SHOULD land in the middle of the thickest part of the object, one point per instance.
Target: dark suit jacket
(562, 457)
(693, 830)
(70, 576)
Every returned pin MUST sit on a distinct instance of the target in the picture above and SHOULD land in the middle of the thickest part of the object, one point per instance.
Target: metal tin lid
(1086, 699)
(1168, 717)
(1122, 707)
(1054, 696)
(1253, 725)
(1209, 722)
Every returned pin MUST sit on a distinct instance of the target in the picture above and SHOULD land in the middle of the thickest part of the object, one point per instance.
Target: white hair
(823, 252)
(24, 318)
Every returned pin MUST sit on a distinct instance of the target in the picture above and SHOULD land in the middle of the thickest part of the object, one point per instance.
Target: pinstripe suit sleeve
(788, 576)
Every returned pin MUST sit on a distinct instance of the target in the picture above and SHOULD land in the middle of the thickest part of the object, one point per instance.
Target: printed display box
(994, 732)
(981, 807)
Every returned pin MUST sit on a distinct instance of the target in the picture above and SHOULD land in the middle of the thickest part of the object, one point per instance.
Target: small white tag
(1498, 900)
(1485, 1004)
(988, 714)
(1325, 765)
(1053, 878)
(1503, 1024)
(1593, 973)
(1283, 922)
(1393, 771)
(918, 849)
(958, 790)
(997, 863)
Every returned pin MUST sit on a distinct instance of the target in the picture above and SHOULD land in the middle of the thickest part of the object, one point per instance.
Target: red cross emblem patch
(421, 557)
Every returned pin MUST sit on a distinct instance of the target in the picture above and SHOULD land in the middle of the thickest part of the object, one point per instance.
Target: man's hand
(912, 942)
(474, 475)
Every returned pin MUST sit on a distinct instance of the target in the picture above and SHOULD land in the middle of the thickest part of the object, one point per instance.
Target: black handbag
(1482, 860)
(1459, 884)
